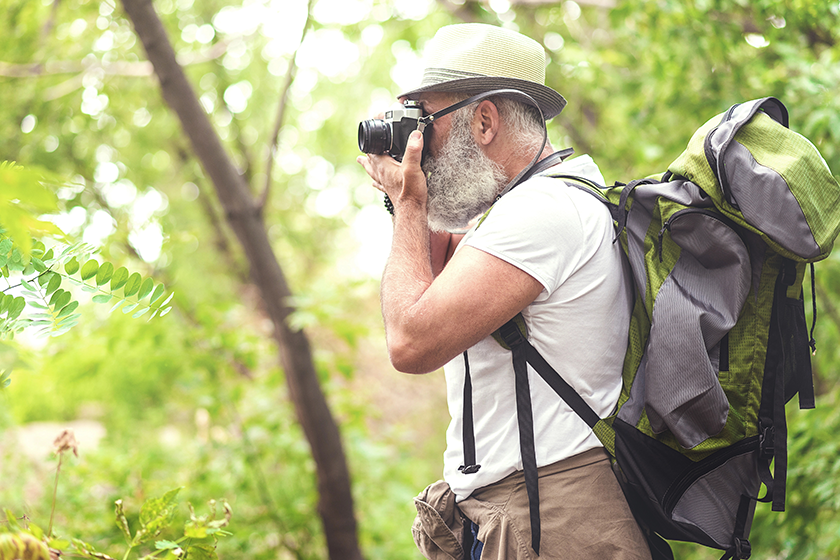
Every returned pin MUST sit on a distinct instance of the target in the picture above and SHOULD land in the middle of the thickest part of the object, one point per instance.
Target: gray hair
(527, 128)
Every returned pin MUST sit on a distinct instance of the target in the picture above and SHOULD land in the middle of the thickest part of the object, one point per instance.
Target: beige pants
(582, 509)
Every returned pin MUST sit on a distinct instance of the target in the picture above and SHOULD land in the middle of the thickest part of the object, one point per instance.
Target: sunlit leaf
(89, 269)
(104, 274)
(54, 283)
(129, 308)
(119, 278)
(142, 312)
(102, 298)
(67, 309)
(16, 308)
(145, 288)
(71, 266)
(132, 284)
(159, 289)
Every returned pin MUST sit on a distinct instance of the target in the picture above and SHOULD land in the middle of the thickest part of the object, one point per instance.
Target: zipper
(707, 465)
(667, 225)
(713, 160)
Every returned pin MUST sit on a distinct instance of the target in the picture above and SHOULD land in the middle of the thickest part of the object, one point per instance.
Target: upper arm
(474, 295)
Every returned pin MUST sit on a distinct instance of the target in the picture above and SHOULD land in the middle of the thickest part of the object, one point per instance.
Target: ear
(486, 122)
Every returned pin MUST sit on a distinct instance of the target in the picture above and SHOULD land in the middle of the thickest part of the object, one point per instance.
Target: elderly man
(542, 249)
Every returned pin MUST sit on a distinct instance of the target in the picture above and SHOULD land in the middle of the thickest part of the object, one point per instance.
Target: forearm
(408, 274)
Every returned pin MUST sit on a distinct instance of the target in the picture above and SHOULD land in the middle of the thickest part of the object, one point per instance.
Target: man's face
(462, 182)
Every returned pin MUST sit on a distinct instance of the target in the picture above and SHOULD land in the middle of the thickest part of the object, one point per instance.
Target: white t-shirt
(562, 237)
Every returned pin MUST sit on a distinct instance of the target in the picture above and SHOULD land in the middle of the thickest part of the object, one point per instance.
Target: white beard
(462, 182)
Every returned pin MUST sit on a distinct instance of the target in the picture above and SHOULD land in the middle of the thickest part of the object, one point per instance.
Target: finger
(414, 148)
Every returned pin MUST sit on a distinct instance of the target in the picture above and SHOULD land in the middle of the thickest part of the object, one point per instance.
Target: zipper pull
(666, 225)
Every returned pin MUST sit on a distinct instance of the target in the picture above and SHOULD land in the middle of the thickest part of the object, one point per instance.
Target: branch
(117, 68)
(281, 112)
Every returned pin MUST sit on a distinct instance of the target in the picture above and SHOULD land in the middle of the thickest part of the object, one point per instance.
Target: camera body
(390, 135)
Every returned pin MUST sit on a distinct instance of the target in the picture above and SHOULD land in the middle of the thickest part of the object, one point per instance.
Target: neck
(516, 160)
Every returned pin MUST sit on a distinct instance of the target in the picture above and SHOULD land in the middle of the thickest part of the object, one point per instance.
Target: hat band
(433, 76)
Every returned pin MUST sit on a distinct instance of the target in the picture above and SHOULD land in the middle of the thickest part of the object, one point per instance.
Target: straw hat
(475, 57)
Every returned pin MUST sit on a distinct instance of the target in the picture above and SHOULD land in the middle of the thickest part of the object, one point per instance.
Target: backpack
(717, 343)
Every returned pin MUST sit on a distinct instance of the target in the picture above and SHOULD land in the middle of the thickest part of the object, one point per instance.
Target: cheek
(436, 137)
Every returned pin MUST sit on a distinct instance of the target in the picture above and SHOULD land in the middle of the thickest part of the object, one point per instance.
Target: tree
(245, 218)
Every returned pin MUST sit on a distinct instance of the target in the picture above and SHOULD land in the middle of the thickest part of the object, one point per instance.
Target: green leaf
(141, 312)
(145, 288)
(166, 545)
(71, 266)
(63, 329)
(59, 544)
(5, 378)
(119, 278)
(11, 520)
(116, 305)
(132, 284)
(159, 289)
(5, 302)
(105, 273)
(156, 514)
(54, 283)
(38, 264)
(16, 308)
(90, 269)
(60, 298)
(165, 311)
(57, 294)
(201, 552)
(67, 309)
(102, 298)
(129, 308)
(122, 522)
(167, 300)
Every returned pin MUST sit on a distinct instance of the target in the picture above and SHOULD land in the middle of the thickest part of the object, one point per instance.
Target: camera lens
(374, 136)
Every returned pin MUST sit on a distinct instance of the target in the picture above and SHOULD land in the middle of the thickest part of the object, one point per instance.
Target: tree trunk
(246, 220)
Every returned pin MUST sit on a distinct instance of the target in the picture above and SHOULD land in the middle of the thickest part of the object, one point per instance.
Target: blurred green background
(198, 399)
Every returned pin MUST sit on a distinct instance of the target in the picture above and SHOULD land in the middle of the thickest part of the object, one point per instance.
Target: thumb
(414, 148)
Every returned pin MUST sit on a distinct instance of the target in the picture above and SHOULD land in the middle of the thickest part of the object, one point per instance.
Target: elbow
(408, 357)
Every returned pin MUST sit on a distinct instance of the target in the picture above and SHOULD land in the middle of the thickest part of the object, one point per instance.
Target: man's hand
(404, 183)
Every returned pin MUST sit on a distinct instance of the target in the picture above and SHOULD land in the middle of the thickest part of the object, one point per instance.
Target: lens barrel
(374, 136)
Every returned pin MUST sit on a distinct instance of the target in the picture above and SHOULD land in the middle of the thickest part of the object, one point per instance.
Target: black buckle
(766, 443)
(511, 335)
(743, 549)
(469, 469)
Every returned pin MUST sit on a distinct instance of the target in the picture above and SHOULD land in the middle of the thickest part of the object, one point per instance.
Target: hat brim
(549, 101)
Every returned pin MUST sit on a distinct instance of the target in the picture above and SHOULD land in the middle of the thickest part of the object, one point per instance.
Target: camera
(377, 136)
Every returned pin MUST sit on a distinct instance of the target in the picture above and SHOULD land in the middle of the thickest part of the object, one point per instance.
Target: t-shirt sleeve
(536, 227)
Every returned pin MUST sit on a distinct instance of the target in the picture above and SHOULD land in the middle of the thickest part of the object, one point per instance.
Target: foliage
(198, 400)
(40, 272)
(157, 516)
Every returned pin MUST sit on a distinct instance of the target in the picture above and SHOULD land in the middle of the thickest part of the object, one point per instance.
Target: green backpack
(718, 341)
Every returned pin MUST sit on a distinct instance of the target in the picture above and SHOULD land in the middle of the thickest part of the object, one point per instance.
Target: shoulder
(546, 202)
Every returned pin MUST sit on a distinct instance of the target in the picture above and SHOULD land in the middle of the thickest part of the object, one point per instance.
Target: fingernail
(415, 136)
